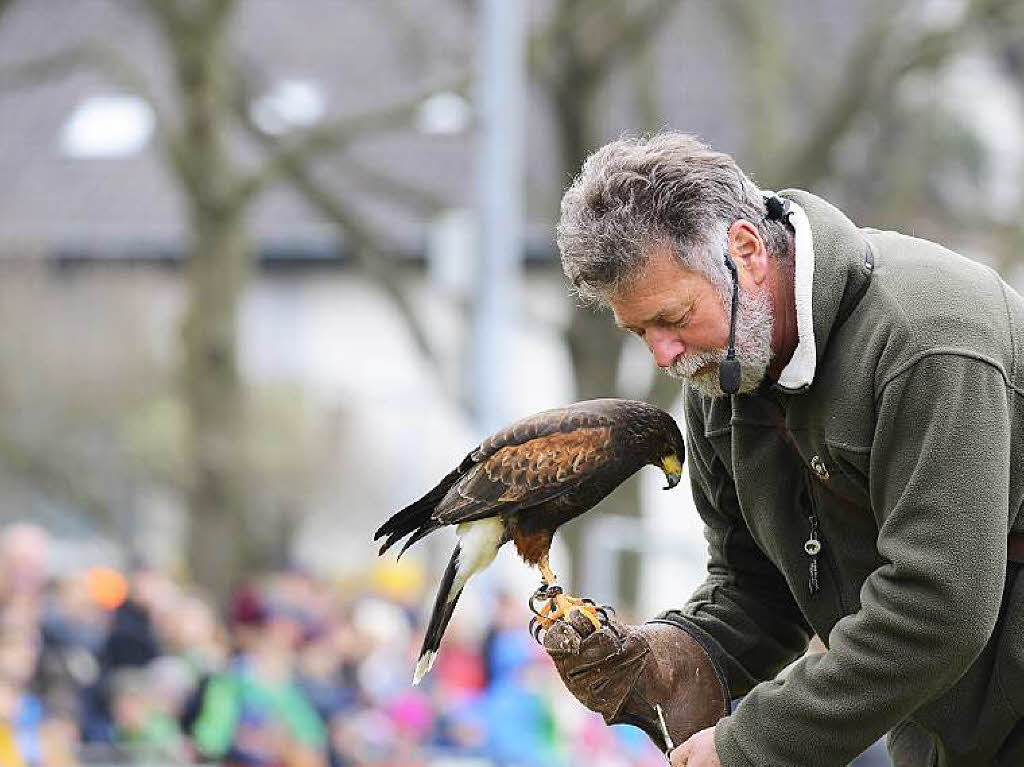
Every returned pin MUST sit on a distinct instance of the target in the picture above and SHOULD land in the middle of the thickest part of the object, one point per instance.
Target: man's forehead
(645, 309)
(663, 284)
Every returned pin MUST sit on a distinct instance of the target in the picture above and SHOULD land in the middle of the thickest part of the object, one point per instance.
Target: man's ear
(748, 251)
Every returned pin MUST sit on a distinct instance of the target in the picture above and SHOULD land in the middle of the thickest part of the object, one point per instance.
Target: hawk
(523, 482)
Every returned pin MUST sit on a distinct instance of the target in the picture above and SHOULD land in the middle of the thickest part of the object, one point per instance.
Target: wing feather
(563, 420)
(520, 475)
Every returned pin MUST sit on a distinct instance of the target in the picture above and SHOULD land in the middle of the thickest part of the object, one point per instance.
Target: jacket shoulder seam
(1009, 322)
(945, 351)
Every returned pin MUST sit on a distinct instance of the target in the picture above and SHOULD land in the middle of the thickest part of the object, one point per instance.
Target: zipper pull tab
(813, 547)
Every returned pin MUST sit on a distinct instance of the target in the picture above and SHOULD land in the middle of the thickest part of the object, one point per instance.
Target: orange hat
(107, 587)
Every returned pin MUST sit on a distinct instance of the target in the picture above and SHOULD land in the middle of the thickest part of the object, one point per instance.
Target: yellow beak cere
(673, 469)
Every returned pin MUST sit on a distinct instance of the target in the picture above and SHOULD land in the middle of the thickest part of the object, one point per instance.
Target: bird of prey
(523, 482)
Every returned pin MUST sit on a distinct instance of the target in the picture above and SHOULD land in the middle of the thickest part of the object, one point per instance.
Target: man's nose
(664, 345)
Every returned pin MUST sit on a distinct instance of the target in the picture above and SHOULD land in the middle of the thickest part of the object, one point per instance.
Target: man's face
(684, 320)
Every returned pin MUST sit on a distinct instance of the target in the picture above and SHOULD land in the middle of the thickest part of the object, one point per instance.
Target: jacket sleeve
(743, 613)
(939, 484)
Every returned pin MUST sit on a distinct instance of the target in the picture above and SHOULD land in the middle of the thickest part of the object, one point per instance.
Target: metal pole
(500, 98)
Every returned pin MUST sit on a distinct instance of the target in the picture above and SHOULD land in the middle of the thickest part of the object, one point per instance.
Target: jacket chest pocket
(849, 478)
(833, 437)
(837, 466)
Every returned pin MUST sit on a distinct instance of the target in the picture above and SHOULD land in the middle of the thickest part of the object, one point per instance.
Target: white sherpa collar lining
(799, 373)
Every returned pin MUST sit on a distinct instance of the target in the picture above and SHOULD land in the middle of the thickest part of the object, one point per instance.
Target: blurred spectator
(95, 667)
(196, 636)
(20, 710)
(520, 722)
(13, 750)
(255, 712)
(24, 555)
(131, 639)
(131, 642)
(73, 621)
(25, 551)
(324, 675)
(143, 728)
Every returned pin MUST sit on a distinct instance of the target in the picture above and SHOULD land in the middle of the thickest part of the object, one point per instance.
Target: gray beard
(754, 322)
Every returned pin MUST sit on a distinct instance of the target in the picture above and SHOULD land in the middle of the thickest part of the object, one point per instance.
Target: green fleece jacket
(871, 509)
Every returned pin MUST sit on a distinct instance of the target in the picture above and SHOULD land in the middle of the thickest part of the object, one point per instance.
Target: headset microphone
(729, 369)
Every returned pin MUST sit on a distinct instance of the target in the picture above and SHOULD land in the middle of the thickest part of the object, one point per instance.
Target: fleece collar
(798, 375)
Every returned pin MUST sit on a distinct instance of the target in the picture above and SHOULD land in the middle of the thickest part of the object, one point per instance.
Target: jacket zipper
(814, 547)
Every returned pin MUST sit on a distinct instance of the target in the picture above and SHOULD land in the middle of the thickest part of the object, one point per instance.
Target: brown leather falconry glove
(623, 671)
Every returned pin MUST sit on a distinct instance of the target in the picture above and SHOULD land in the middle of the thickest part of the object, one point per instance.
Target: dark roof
(361, 58)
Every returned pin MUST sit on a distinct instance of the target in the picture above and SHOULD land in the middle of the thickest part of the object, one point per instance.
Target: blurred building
(92, 231)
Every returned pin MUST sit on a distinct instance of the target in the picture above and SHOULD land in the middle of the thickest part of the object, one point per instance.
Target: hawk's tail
(479, 542)
(416, 518)
(444, 605)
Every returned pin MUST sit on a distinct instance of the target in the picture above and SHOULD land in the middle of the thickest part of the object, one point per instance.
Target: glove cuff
(709, 646)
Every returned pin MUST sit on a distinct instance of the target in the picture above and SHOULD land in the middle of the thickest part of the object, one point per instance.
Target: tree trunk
(595, 346)
(215, 273)
(213, 395)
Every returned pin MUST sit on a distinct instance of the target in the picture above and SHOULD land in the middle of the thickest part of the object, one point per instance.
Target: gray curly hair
(637, 193)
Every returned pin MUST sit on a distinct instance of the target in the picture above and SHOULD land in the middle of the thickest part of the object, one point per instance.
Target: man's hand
(623, 672)
(698, 751)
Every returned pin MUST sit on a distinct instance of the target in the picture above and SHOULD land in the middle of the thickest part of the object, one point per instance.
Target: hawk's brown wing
(527, 473)
(562, 420)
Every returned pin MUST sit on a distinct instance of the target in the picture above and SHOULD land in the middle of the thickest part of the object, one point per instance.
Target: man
(862, 484)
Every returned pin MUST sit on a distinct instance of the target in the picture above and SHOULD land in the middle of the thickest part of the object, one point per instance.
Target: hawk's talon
(561, 606)
(544, 591)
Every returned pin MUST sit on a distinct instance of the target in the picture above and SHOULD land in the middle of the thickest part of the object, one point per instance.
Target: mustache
(687, 365)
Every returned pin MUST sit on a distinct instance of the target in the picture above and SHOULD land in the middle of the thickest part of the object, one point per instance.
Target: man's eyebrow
(684, 306)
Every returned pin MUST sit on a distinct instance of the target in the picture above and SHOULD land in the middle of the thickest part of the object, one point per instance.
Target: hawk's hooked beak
(673, 469)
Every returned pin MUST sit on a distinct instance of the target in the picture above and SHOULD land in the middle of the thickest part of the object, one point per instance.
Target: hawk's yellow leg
(560, 605)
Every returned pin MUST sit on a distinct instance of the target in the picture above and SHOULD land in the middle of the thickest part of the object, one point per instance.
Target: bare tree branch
(869, 77)
(166, 12)
(36, 467)
(810, 162)
(109, 65)
(181, 18)
(647, 104)
(370, 180)
(626, 38)
(585, 41)
(331, 136)
(368, 248)
(89, 56)
(420, 44)
(549, 48)
(765, 66)
(5, 5)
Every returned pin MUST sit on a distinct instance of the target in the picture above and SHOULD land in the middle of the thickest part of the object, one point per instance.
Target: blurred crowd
(104, 666)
